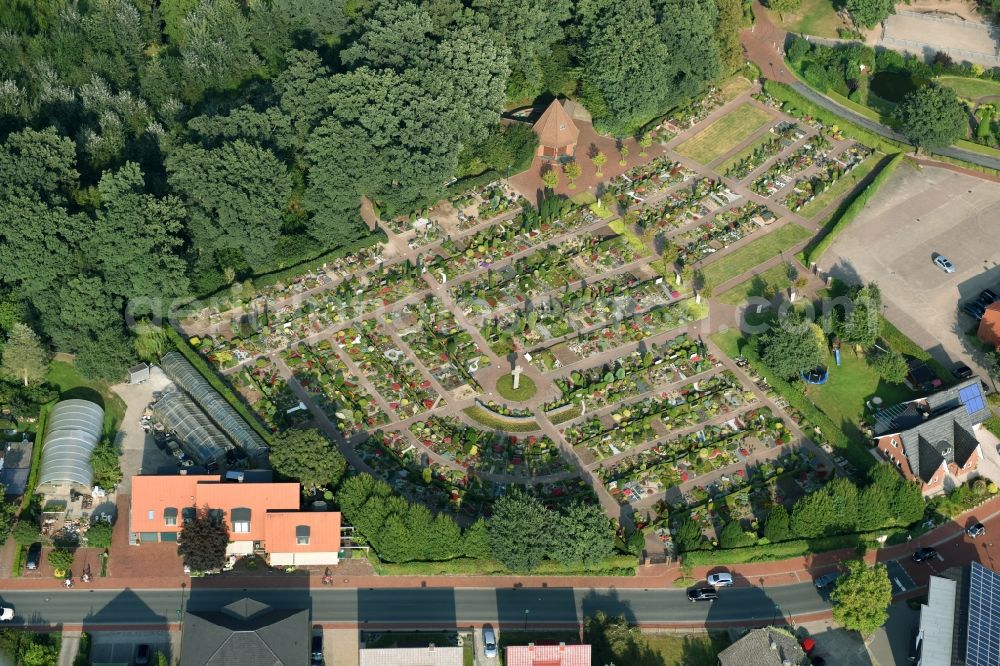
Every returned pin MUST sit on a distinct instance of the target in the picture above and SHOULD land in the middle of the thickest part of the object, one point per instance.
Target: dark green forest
(156, 149)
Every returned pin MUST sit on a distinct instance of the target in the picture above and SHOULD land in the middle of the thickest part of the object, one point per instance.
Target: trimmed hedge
(898, 341)
(216, 382)
(36, 455)
(772, 551)
(846, 214)
(484, 416)
(616, 565)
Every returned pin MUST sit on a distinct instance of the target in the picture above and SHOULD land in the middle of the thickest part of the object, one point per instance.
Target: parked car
(826, 580)
(6, 613)
(974, 310)
(924, 554)
(976, 530)
(961, 371)
(942, 262)
(317, 650)
(702, 594)
(489, 641)
(142, 654)
(34, 556)
(987, 297)
(721, 579)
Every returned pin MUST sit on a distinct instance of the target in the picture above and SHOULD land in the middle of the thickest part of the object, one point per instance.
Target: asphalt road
(439, 607)
(882, 130)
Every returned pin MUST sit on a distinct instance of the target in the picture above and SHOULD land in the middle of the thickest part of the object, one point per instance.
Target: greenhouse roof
(74, 430)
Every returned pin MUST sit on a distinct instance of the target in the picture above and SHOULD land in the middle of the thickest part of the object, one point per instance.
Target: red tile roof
(274, 510)
(989, 326)
(555, 128)
(548, 655)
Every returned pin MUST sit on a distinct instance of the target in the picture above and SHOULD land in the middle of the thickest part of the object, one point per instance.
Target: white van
(489, 641)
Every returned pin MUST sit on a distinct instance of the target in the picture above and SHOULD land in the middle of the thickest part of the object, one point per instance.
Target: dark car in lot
(317, 650)
(924, 554)
(34, 556)
(974, 310)
(987, 296)
(961, 371)
(703, 594)
(976, 530)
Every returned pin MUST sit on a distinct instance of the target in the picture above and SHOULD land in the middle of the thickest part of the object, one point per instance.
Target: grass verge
(618, 226)
(525, 388)
(774, 278)
(216, 382)
(969, 87)
(497, 421)
(843, 217)
(725, 133)
(773, 551)
(745, 258)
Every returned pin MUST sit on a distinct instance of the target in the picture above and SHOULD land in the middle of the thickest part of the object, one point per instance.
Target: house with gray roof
(246, 633)
(764, 647)
(934, 440)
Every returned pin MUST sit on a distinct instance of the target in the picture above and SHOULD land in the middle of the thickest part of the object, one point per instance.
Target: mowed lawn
(841, 187)
(725, 133)
(813, 17)
(775, 277)
(689, 650)
(974, 89)
(754, 253)
(847, 388)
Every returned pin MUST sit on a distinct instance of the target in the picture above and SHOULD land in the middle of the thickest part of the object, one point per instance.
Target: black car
(987, 296)
(703, 594)
(317, 650)
(961, 371)
(34, 556)
(923, 554)
(976, 530)
(974, 310)
(142, 654)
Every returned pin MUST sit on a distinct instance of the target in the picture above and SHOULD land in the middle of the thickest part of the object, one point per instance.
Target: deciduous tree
(203, 541)
(584, 535)
(307, 456)
(869, 13)
(521, 531)
(789, 347)
(931, 117)
(862, 597)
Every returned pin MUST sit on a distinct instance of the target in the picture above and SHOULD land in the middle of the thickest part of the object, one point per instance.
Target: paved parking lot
(917, 213)
(139, 453)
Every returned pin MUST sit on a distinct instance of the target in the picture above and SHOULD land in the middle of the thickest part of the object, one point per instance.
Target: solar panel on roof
(983, 644)
(972, 398)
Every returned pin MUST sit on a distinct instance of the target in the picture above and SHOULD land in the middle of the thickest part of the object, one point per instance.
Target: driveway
(140, 455)
(918, 212)
(481, 658)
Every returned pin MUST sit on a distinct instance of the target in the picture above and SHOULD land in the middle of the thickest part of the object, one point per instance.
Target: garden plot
(646, 182)
(485, 204)
(444, 348)
(636, 424)
(500, 241)
(393, 457)
(688, 204)
(751, 158)
(277, 327)
(618, 333)
(688, 116)
(419, 231)
(807, 189)
(269, 395)
(725, 134)
(675, 461)
(490, 452)
(721, 231)
(327, 379)
(516, 283)
(746, 495)
(781, 173)
(634, 374)
(388, 368)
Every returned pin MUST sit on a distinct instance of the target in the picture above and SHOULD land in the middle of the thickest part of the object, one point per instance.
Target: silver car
(489, 641)
(942, 262)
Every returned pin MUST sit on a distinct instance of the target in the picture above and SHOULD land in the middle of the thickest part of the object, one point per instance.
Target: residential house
(764, 647)
(989, 326)
(261, 517)
(934, 439)
(411, 656)
(246, 633)
(960, 622)
(548, 655)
